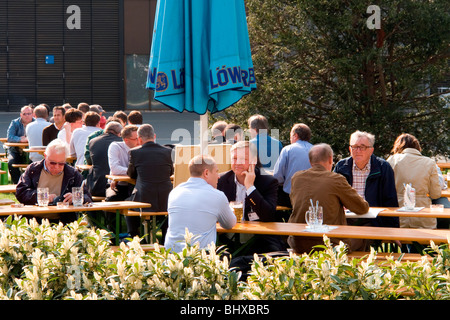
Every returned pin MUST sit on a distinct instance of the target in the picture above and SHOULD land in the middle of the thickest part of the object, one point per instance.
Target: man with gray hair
(98, 158)
(330, 189)
(52, 172)
(151, 165)
(371, 176)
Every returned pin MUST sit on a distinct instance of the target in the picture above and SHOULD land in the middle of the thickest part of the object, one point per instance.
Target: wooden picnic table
(22, 145)
(120, 178)
(422, 236)
(443, 165)
(119, 207)
(424, 213)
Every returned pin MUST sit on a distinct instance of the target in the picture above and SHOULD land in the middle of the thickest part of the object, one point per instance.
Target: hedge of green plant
(56, 262)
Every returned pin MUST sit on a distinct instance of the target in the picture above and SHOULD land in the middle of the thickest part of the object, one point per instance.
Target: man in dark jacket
(378, 187)
(151, 165)
(54, 173)
(245, 182)
(98, 158)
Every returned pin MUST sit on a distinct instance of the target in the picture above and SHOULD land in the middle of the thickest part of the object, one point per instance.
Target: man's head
(300, 131)
(256, 123)
(234, 132)
(361, 147)
(135, 117)
(26, 114)
(243, 154)
(55, 156)
(58, 115)
(218, 128)
(83, 107)
(122, 116)
(41, 112)
(114, 128)
(74, 117)
(130, 136)
(321, 154)
(204, 167)
(91, 119)
(146, 133)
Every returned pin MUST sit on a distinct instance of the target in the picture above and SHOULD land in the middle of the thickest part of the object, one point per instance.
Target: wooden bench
(8, 188)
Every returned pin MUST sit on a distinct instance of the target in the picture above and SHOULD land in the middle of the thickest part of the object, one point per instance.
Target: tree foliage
(318, 63)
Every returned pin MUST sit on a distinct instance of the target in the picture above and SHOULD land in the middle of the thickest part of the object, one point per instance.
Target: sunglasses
(53, 163)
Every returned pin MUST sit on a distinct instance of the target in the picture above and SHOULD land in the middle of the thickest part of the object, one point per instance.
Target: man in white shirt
(79, 136)
(196, 206)
(118, 159)
(34, 131)
(73, 120)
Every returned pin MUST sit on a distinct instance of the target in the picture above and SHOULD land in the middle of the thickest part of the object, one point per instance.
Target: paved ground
(170, 127)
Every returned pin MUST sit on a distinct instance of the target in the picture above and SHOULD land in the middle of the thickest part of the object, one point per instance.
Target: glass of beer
(238, 208)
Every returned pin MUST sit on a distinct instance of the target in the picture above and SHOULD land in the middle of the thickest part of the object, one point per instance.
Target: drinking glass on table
(42, 197)
(238, 208)
(319, 216)
(77, 196)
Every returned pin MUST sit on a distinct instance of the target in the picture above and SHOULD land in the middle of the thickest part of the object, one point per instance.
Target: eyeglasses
(53, 163)
(361, 148)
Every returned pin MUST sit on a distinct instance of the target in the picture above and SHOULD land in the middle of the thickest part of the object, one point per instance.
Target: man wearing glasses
(17, 133)
(54, 173)
(371, 176)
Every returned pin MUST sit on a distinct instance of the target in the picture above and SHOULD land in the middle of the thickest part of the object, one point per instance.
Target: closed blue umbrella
(200, 57)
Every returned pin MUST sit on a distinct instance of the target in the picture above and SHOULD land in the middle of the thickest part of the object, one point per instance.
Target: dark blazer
(98, 150)
(151, 165)
(380, 187)
(263, 201)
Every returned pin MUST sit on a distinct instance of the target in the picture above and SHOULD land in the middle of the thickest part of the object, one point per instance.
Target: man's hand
(51, 197)
(68, 198)
(23, 139)
(249, 176)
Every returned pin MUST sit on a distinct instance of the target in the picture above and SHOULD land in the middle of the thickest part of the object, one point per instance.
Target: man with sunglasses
(371, 176)
(54, 173)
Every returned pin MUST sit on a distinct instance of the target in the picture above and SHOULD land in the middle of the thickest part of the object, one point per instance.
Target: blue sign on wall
(49, 59)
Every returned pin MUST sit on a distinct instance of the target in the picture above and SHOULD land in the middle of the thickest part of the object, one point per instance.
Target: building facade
(71, 51)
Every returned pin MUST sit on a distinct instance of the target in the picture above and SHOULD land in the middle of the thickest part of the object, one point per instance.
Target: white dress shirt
(78, 142)
(197, 206)
(34, 135)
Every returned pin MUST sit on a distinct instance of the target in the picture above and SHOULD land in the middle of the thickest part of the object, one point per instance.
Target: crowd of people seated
(263, 175)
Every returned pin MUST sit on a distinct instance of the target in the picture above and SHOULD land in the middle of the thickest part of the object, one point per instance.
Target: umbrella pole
(204, 133)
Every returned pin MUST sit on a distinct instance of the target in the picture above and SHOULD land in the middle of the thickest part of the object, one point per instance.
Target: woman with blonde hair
(410, 166)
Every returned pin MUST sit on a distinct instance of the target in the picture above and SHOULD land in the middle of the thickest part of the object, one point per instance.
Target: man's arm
(131, 172)
(26, 192)
(12, 133)
(115, 164)
(262, 197)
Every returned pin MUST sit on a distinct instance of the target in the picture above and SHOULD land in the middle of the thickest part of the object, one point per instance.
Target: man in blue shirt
(293, 158)
(16, 133)
(268, 148)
